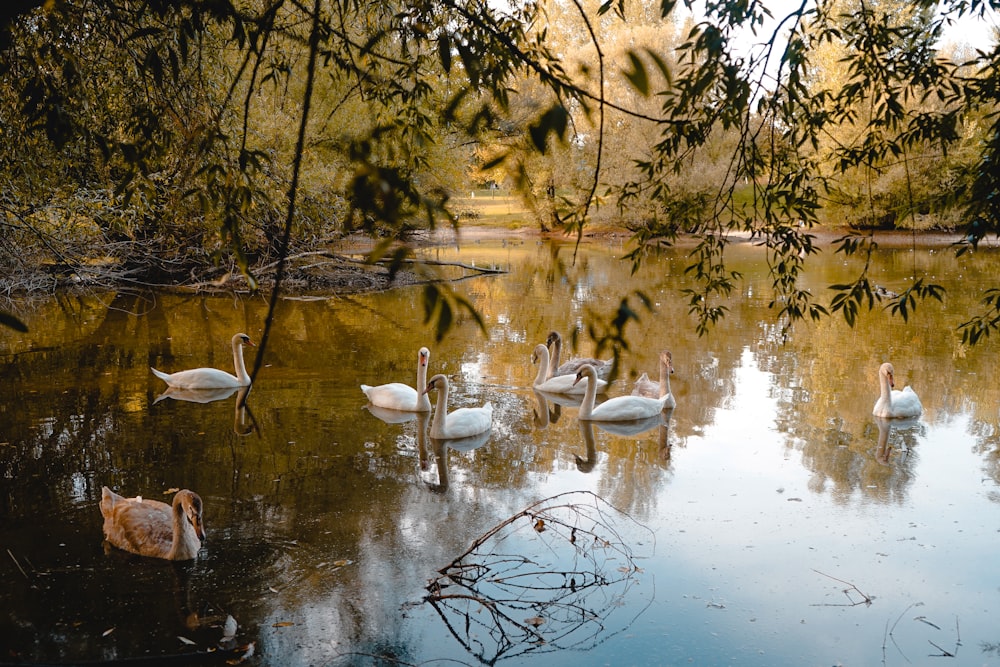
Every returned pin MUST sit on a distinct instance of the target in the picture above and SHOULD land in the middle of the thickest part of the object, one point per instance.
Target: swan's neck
(554, 359)
(664, 380)
(886, 389)
(423, 400)
(179, 543)
(590, 397)
(440, 410)
(241, 369)
(544, 366)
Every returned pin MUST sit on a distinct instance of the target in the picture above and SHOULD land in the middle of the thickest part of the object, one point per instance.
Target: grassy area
(493, 209)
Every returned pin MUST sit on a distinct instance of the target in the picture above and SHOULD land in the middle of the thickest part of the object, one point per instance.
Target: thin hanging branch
(314, 36)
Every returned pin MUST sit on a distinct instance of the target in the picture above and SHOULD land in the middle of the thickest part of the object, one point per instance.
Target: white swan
(212, 378)
(461, 423)
(398, 396)
(892, 403)
(619, 408)
(646, 387)
(151, 528)
(573, 366)
(559, 384)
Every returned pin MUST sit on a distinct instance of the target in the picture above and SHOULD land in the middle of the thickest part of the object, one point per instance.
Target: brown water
(758, 512)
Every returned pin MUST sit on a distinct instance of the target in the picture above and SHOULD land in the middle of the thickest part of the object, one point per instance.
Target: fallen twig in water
(553, 576)
(865, 599)
(943, 653)
(25, 574)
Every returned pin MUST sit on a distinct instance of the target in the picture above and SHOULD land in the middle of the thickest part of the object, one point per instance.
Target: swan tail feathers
(108, 498)
(160, 374)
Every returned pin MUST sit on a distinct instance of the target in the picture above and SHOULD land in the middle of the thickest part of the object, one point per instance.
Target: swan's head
(191, 504)
(424, 356)
(585, 371)
(437, 382)
(243, 339)
(540, 352)
(667, 360)
(553, 337)
(887, 371)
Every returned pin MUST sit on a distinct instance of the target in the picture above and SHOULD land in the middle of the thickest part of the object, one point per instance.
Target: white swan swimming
(559, 384)
(619, 408)
(212, 378)
(646, 387)
(398, 396)
(572, 366)
(461, 423)
(892, 403)
(151, 528)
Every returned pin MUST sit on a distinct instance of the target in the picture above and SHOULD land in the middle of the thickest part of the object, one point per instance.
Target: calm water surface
(747, 527)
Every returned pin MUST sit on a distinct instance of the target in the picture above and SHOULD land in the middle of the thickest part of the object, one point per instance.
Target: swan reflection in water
(544, 413)
(562, 400)
(422, 419)
(198, 395)
(587, 464)
(626, 429)
(438, 447)
(632, 427)
(907, 427)
(241, 425)
(461, 445)
(390, 416)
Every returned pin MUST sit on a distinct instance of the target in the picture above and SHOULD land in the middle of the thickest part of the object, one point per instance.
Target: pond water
(768, 520)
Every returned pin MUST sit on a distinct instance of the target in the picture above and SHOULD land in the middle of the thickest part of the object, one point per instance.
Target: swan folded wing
(394, 395)
(199, 378)
(464, 422)
(907, 403)
(573, 366)
(646, 387)
(566, 384)
(140, 527)
(627, 408)
(898, 404)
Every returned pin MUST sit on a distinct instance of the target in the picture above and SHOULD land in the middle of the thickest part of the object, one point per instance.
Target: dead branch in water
(25, 574)
(865, 599)
(553, 576)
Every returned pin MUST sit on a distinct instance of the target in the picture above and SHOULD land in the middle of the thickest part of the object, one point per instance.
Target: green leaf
(154, 65)
(444, 321)
(8, 320)
(661, 65)
(637, 74)
(444, 51)
(432, 296)
(554, 121)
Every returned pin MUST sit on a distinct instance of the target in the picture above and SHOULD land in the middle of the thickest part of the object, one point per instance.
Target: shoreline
(823, 236)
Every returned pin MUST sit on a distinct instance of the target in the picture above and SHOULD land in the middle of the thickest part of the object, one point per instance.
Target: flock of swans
(575, 377)
(175, 532)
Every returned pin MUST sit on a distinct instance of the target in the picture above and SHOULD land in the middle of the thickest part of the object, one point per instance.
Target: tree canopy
(167, 139)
